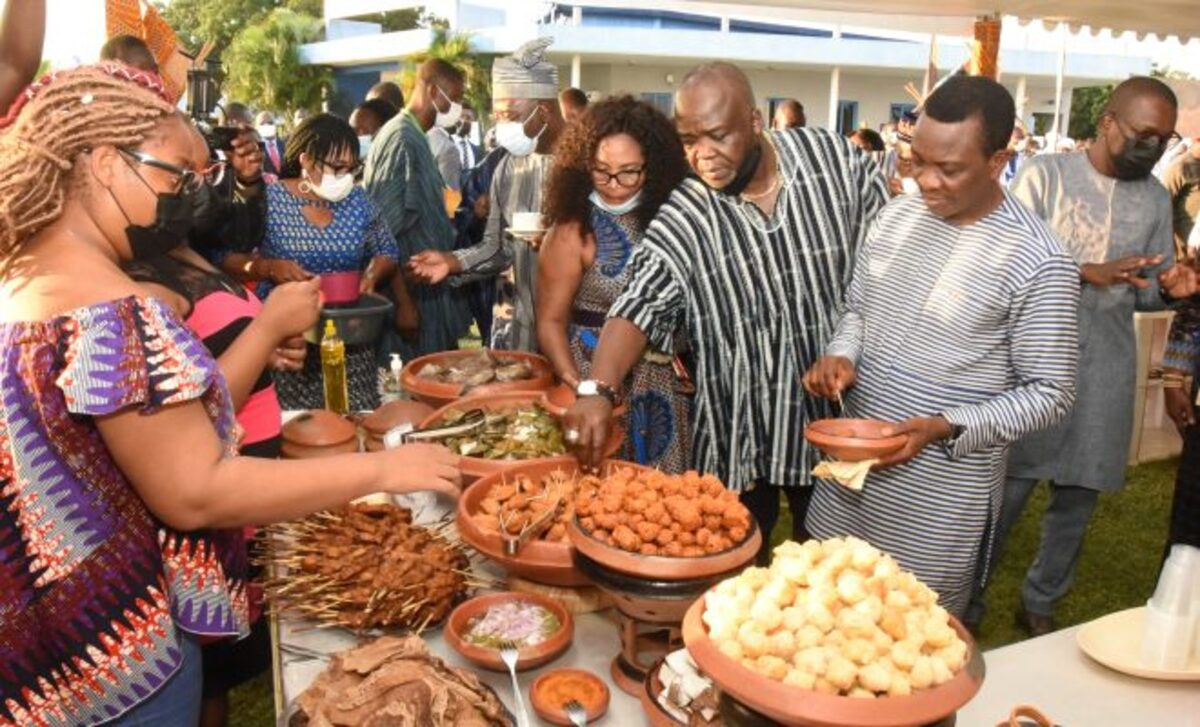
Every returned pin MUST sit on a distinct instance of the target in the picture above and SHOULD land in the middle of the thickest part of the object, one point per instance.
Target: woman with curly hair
(122, 502)
(612, 170)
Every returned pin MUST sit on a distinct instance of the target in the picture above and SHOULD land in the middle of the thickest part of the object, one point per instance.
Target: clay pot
(473, 468)
(665, 567)
(393, 414)
(528, 657)
(437, 394)
(793, 706)
(539, 561)
(318, 433)
(853, 440)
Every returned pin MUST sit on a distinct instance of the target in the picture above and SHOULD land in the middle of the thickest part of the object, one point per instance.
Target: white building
(848, 70)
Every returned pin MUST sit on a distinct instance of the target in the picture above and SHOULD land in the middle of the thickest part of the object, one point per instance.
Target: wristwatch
(595, 387)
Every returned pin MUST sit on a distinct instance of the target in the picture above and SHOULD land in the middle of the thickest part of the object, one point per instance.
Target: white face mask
(511, 135)
(333, 187)
(623, 208)
(909, 185)
(449, 117)
(267, 131)
(364, 146)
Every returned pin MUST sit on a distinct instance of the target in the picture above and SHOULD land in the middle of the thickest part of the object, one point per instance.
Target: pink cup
(340, 288)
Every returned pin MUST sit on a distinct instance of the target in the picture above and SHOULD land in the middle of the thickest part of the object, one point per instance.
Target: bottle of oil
(333, 367)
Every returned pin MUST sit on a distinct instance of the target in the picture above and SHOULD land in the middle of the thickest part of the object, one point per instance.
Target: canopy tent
(1164, 18)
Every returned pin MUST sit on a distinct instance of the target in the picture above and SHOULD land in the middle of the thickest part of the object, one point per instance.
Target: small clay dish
(552, 690)
(529, 657)
(853, 440)
(389, 416)
(561, 397)
(318, 433)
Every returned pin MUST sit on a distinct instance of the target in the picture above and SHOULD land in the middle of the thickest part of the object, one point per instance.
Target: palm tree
(455, 49)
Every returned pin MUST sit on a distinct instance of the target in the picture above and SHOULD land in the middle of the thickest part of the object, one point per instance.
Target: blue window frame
(664, 102)
(899, 109)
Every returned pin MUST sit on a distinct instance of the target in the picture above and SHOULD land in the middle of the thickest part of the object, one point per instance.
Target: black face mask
(745, 172)
(173, 216)
(1137, 159)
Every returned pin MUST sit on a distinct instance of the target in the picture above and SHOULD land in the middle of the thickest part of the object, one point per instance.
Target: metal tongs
(514, 543)
(470, 421)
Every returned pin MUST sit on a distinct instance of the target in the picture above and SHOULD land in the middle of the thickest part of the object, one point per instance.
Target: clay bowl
(853, 440)
(560, 398)
(437, 394)
(793, 706)
(529, 657)
(393, 414)
(655, 714)
(549, 708)
(539, 561)
(665, 567)
(318, 433)
(474, 468)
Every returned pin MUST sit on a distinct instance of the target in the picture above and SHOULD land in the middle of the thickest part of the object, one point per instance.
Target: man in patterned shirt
(748, 262)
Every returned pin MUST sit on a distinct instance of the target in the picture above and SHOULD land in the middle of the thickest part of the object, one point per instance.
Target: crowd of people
(725, 282)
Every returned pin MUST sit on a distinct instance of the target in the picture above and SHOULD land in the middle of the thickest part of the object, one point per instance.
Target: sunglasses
(339, 168)
(187, 180)
(1145, 139)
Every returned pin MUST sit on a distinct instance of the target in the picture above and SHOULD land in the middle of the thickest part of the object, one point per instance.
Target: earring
(304, 186)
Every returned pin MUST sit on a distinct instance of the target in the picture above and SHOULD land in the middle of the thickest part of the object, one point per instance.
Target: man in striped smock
(746, 263)
(960, 326)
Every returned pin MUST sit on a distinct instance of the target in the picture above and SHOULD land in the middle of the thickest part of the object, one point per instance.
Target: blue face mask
(624, 208)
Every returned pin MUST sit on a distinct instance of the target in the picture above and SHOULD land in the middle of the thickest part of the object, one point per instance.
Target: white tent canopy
(1164, 18)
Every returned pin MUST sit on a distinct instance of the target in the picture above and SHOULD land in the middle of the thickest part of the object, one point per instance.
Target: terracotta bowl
(437, 394)
(665, 567)
(853, 440)
(560, 398)
(793, 706)
(318, 433)
(527, 658)
(538, 561)
(393, 414)
(473, 468)
(655, 714)
(548, 708)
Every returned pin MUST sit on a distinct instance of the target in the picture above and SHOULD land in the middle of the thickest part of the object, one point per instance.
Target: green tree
(455, 49)
(199, 21)
(263, 67)
(1086, 106)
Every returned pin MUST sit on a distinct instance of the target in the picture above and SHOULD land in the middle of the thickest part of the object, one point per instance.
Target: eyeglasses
(1145, 139)
(625, 177)
(188, 180)
(339, 168)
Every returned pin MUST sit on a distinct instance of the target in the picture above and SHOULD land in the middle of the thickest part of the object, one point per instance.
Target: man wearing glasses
(1115, 220)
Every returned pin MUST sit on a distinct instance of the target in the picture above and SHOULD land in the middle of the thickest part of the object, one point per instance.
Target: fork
(576, 713)
(508, 654)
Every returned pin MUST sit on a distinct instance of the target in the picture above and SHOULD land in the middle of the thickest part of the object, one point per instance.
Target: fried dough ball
(692, 551)
(648, 549)
(771, 667)
(587, 523)
(812, 660)
(710, 505)
(712, 522)
(655, 511)
(900, 686)
(557, 532)
(875, 677)
(606, 521)
(841, 673)
(731, 649)
(626, 539)
(766, 613)
(921, 675)
(782, 644)
(702, 536)
(800, 678)
(753, 639)
(490, 505)
(665, 536)
(673, 548)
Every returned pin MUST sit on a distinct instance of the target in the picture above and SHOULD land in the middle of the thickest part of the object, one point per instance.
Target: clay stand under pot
(318, 433)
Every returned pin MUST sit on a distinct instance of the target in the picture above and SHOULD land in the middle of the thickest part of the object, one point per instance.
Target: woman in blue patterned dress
(319, 222)
(612, 171)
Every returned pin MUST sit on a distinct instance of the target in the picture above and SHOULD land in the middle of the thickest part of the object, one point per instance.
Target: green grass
(1120, 563)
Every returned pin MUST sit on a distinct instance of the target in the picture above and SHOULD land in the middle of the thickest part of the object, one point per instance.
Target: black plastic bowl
(358, 324)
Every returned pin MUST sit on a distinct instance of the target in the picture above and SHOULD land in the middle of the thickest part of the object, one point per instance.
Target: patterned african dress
(93, 588)
(356, 234)
(657, 426)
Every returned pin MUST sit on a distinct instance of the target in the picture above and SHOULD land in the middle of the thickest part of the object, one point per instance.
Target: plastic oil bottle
(333, 368)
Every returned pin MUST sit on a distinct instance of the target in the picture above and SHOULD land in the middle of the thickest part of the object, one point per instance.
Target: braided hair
(56, 120)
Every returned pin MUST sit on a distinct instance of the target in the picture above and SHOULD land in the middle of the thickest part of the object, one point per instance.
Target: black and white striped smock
(978, 324)
(757, 298)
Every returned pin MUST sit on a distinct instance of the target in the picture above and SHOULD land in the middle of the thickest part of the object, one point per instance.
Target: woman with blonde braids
(119, 489)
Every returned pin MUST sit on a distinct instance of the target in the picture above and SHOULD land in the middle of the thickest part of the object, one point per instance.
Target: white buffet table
(1051, 673)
